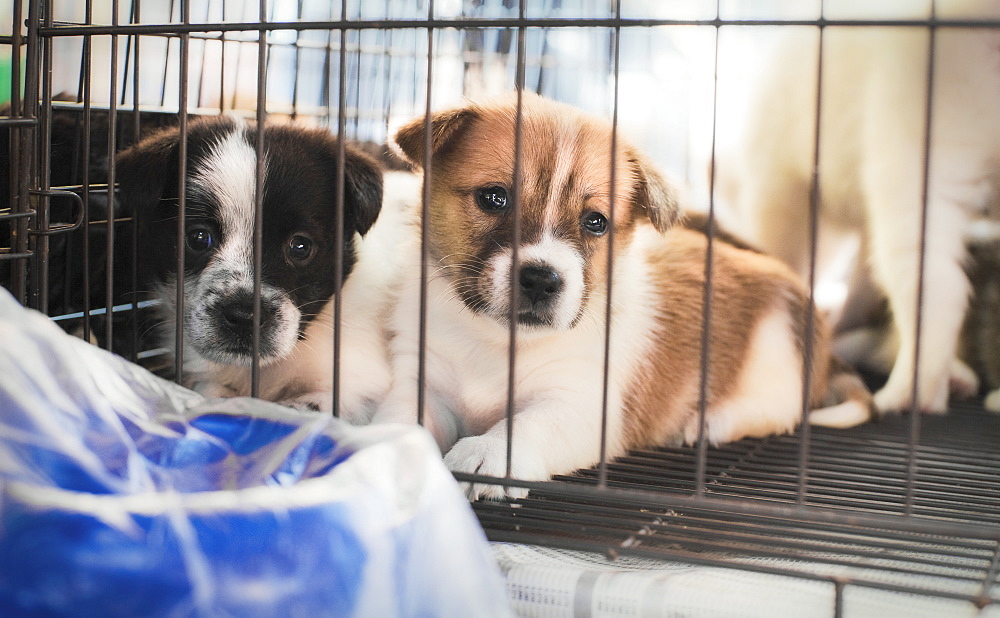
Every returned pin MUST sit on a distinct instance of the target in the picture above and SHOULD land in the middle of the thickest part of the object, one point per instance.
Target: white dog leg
(945, 296)
(400, 404)
(550, 437)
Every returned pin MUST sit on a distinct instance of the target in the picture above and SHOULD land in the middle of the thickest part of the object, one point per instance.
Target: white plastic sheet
(124, 494)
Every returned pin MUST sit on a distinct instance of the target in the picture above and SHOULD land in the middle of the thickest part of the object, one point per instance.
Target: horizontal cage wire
(907, 504)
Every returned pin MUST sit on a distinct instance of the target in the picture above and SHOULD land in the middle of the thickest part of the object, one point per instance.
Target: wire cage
(910, 504)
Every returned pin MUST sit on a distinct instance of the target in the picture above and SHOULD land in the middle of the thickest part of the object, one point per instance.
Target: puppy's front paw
(211, 390)
(487, 455)
(319, 401)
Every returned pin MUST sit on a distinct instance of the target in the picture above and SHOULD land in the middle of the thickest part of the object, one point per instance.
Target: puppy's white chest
(471, 386)
(467, 366)
(470, 371)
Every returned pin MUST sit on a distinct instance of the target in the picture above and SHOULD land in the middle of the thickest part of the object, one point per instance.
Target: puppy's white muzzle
(219, 319)
(550, 285)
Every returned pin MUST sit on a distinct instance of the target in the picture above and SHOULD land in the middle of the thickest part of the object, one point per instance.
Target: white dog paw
(211, 390)
(487, 456)
(320, 401)
(963, 382)
(992, 401)
(897, 395)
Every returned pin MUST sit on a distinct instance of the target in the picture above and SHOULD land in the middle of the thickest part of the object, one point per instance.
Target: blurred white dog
(872, 142)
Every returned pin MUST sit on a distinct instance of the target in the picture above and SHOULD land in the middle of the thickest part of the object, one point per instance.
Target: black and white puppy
(299, 259)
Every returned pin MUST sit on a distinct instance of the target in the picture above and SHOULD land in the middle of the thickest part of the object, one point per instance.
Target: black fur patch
(300, 196)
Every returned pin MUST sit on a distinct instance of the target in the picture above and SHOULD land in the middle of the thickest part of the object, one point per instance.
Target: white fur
(551, 253)
(558, 383)
(228, 177)
(872, 133)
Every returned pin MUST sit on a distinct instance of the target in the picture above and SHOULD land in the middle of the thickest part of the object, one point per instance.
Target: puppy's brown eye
(300, 248)
(492, 199)
(595, 223)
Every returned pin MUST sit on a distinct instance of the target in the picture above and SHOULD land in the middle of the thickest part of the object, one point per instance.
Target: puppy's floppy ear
(143, 170)
(445, 126)
(362, 188)
(654, 194)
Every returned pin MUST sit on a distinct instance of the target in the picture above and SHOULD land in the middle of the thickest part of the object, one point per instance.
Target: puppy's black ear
(362, 188)
(445, 126)
(653, 194)
(143, 170)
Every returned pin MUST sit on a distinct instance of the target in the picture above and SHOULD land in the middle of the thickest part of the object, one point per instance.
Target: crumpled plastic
(122, 494)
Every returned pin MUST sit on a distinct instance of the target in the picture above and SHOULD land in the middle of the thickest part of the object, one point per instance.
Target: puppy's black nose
(237, 316)
(539, 284)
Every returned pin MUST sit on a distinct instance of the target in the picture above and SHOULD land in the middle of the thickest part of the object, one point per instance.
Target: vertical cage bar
(616, 34)
(815, 195)
(297, 63)
(424, 226)
(326, 84)
(203, 45)
(388, 64)
(166, 62)
(990, 579)
(128, 55)
(236, 71)
(222, 63)
(359, 58)
(706, 303)
(40, 274)
(338, 221)
(515, 241)
(87, 76)
(258, 205)
(135, 17)
(20, 144)
(912, 464)
(182, 112)
(838, 598)
(109, 248)
(70, 240)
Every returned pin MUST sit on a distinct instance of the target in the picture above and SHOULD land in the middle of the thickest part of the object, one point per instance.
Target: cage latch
(63, 228)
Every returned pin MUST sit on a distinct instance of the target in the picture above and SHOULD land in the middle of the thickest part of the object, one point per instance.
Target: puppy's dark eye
(595, 223)
(492, 199)
(300, 248)
(200, 239)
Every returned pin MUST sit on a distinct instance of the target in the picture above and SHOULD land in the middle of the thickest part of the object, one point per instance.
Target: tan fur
(476, 145)
(745, 285)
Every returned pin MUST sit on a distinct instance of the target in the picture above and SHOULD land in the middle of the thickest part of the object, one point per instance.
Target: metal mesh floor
(851, 529)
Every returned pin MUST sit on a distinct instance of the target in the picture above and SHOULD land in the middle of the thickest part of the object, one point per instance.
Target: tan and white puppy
(566, 213)
(872, 136)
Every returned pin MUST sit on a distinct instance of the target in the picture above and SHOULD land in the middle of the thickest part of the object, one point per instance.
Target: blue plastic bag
(122, 494)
